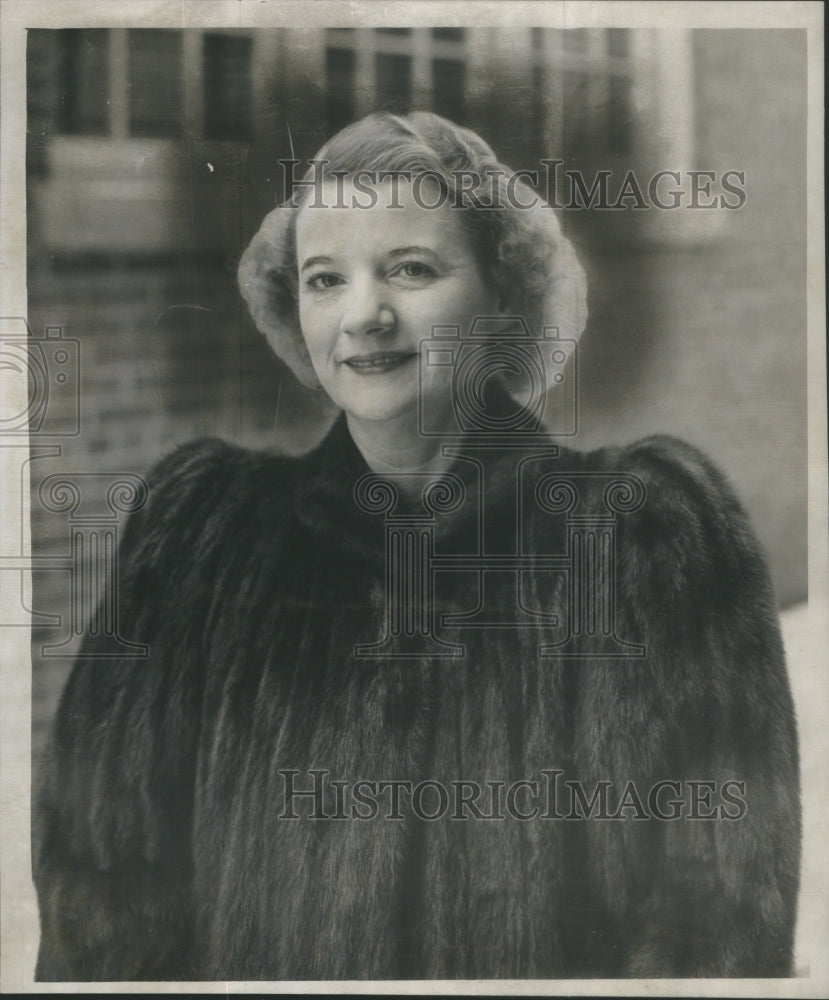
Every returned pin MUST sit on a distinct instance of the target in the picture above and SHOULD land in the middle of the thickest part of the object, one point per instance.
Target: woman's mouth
(379, 362)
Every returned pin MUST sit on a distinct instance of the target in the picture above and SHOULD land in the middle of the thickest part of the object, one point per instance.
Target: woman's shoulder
(683, 519)
(673, 462)
(206, 466)
(681, 481)
(674, 477)
(204, 487)
(197, 462)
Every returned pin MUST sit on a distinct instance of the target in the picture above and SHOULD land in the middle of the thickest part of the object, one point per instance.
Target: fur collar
(326, 502)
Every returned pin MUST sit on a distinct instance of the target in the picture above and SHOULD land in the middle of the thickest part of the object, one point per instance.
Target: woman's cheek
(320, 315)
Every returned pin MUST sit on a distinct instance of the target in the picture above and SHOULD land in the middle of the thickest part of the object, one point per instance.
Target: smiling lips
(379, 362)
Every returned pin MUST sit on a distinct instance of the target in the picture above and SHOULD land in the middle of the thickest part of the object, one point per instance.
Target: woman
(441, 698)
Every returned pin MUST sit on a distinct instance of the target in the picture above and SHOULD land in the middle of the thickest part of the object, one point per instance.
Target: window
(448, 79)
(573, 39)
(448, 34)
(339, 70)
(395, 69)
(577, 121)
(83, 63)
(539, 112)
(618, 41)
(155, 83)
(619, 115)
(394, 81)
(227, 87)
(588, 73)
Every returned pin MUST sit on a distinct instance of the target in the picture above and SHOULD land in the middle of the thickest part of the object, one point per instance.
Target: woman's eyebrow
(402, 251)
(311, 261)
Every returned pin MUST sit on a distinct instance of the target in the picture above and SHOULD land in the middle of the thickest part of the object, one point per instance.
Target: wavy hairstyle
(522, 250)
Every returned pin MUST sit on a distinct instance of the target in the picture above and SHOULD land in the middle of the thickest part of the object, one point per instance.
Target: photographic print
(414, 498)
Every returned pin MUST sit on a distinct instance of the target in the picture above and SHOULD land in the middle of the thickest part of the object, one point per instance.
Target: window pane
(448, 77)
(576, 122)
(155, 83)
(538, 114)
(227, 87)
(618, 41)
(618, 115)
(42, 94)
(339, 70)
(448, 34)
(393, 31)
(393, 81)
(575, 39)
(84, 81)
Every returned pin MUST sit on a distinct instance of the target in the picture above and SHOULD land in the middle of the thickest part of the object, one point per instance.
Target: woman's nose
(367, 310)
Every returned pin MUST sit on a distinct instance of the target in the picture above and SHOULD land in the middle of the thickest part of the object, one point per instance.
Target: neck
(395, 447)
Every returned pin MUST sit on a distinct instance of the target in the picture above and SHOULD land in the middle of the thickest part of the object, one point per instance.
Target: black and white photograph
(414, 559)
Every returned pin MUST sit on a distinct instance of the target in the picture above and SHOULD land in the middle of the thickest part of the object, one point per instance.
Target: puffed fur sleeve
(113, 813)
(710, 890)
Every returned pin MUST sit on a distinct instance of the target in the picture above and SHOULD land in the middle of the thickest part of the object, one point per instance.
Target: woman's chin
(378, 398)
(387, 396)
(379, 410)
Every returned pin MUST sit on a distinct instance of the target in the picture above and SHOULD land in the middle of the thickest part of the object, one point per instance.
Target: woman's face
(372, 284)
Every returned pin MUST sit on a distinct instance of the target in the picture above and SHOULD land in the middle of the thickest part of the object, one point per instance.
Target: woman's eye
(414, 269)
(321, 281)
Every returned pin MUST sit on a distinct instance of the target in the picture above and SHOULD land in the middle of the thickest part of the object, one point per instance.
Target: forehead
(360, 219)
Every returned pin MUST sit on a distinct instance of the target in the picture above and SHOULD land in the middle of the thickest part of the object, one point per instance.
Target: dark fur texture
(159, 850)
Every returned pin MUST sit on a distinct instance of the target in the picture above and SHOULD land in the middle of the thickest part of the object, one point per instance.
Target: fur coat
(170, 843)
